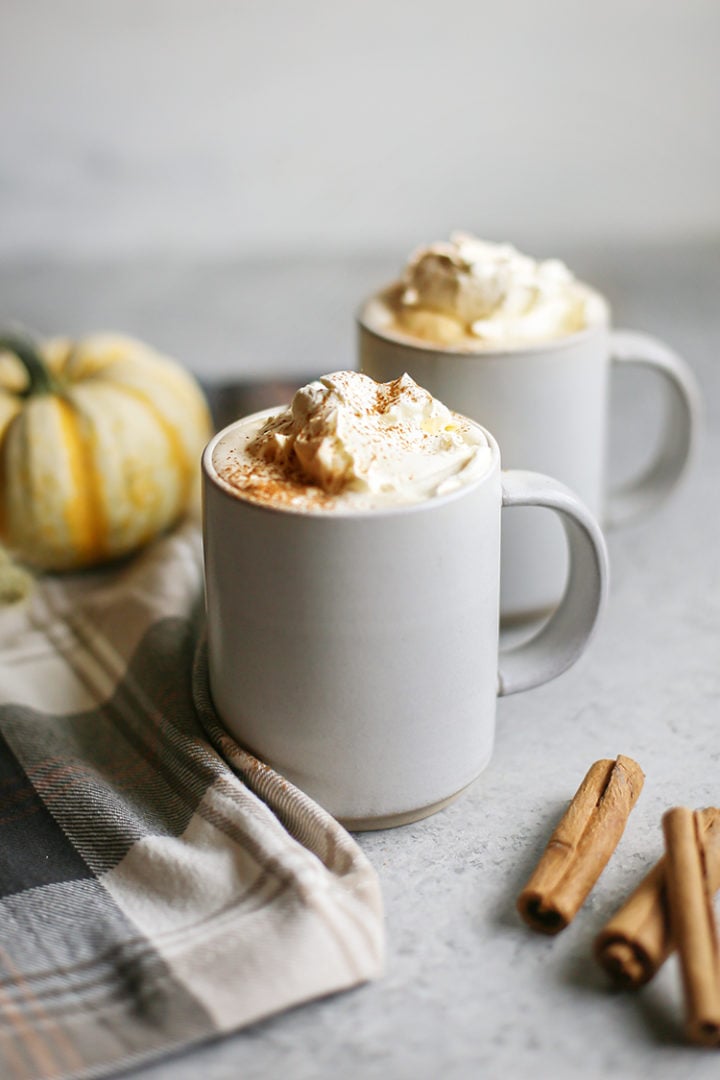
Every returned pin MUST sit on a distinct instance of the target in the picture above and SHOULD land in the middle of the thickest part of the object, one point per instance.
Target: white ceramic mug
(357, 653)
(547, 405)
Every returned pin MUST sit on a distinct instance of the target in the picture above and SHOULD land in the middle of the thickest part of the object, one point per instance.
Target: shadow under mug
(357, 653)
(547, 405)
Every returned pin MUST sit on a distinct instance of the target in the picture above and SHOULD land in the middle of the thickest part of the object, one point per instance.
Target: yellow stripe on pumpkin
(84, 508)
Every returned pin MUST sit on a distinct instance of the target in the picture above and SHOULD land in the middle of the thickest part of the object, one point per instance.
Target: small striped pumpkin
(100, 444)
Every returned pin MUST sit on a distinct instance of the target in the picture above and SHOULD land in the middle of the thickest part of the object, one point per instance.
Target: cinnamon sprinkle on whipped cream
(347, 442)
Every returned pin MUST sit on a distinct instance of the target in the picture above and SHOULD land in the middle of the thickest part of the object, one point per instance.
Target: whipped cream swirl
(467, 288)
(347, 442)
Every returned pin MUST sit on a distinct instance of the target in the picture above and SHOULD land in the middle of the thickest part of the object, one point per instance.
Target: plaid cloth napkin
(158, 885)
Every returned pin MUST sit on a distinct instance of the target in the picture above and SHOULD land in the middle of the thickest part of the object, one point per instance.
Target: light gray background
(239, 127)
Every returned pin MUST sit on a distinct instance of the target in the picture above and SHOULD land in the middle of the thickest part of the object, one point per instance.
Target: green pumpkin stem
(40, 379)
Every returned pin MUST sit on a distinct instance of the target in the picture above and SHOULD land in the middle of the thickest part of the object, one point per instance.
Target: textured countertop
(469, 991)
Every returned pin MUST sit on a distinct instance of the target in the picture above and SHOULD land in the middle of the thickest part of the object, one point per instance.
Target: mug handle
(637, 496)
(561, 641)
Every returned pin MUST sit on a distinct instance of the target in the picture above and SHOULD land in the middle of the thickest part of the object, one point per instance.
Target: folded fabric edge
(297, 816)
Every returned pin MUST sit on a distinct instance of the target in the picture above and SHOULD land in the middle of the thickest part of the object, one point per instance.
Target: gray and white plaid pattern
(158, 884)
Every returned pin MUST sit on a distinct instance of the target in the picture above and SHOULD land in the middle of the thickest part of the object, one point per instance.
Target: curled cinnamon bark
(638, 938)
(692, 922)
(581, 845)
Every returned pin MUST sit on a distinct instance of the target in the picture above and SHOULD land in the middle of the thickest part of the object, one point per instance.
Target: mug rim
(565, 341)
(210, 473)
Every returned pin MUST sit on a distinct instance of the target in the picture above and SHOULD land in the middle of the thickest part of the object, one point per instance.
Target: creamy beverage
(472, 295)
(352, 575)
(347, 443)
(527, 350)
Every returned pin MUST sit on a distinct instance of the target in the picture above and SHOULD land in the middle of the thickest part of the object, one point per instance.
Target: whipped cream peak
(490, 293)
(348, 442)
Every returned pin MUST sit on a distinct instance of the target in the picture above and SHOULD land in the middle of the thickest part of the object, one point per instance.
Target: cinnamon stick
(581, 845)
(638, 939)
(692, 920)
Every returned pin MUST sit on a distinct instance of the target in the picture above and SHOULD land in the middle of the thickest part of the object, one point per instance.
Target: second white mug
(547, 405)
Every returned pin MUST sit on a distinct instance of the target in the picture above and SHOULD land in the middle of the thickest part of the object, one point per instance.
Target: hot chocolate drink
(349, 444)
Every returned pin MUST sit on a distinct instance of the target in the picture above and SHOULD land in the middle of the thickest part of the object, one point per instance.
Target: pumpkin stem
(40, 379)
